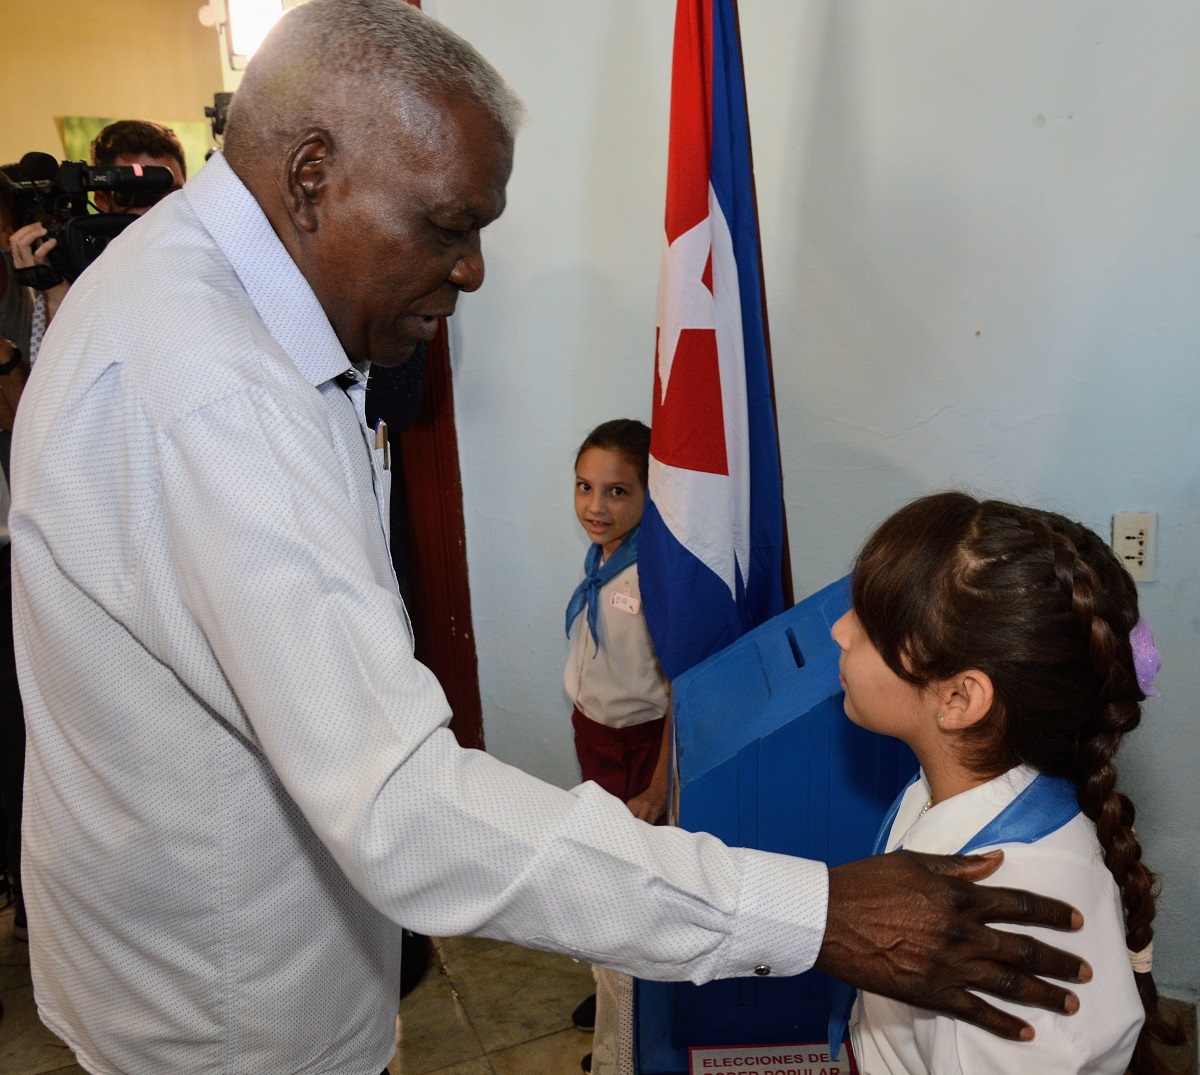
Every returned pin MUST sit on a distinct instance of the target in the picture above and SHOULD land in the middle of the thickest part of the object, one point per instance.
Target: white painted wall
(981, 232)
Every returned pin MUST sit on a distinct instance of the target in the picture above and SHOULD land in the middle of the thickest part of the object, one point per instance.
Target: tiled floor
(483, 1008)
(487, 1008)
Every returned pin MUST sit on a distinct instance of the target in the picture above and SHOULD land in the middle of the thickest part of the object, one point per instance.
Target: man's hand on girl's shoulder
(914, 927)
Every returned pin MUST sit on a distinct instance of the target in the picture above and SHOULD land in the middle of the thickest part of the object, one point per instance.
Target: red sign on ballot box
(810, 1058)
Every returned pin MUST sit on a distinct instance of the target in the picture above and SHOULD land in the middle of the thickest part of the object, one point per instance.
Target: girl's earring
(941, 718)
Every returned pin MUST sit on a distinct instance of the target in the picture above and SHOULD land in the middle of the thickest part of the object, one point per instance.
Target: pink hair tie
(1146, 661)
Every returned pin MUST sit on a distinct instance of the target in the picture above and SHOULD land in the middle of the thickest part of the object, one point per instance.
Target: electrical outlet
(1135, 541)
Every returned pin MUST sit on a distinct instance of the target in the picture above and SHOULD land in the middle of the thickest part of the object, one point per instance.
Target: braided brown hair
(1040, 604)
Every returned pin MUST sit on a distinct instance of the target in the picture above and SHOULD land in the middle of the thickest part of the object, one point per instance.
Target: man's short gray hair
(386, 52)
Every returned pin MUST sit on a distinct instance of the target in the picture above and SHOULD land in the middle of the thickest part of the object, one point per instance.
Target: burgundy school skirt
(620, 760)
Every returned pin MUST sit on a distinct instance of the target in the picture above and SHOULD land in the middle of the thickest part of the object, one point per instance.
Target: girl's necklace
(925, 808)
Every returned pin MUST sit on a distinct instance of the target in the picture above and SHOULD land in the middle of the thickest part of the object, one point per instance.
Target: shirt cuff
(780, 921)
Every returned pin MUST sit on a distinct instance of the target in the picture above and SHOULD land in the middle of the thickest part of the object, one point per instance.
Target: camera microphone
(133, 178)
(75, 177)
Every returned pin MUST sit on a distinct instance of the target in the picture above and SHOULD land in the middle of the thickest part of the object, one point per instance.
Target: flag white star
(709, 514)
(684, 300)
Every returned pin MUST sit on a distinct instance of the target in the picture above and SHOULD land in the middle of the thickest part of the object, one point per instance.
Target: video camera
(56, 195)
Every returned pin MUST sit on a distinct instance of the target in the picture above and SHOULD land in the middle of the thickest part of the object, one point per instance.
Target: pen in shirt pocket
(381, 443)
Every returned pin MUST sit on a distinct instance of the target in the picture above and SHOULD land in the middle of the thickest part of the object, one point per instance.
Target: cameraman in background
(122, 144)
(136, 141)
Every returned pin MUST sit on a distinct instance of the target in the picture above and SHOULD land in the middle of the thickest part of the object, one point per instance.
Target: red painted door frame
(437, 546)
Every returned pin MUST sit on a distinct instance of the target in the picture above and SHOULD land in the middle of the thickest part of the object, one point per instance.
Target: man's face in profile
(121, 202)
(398, 223)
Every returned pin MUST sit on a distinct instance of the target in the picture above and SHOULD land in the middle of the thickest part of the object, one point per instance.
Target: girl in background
(613, 678)
(1003, 645)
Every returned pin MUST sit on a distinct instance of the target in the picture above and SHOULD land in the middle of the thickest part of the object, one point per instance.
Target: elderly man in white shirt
(240, 782)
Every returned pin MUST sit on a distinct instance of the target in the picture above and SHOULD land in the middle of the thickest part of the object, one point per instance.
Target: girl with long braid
(1003, 644)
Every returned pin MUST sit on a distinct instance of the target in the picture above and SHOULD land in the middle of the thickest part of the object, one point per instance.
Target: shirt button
(763, 969)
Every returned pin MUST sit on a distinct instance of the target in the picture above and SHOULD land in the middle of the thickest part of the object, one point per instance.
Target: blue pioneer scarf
(596, 575)
(1045, 806)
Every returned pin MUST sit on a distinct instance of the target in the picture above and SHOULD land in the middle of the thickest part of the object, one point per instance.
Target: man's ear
(964, 699)
(308, 176)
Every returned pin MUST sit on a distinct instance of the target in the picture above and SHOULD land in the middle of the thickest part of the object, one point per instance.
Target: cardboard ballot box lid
(767, 678)
(766, 755)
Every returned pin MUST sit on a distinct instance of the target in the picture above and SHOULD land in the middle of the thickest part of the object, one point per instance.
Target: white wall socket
(1135, 541)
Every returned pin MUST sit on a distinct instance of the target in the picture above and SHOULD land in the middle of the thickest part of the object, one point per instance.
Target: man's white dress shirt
(891, 1038)
(240, 782)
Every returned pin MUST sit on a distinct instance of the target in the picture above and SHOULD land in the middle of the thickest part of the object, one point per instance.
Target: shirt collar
(948, 826)
(276, 287)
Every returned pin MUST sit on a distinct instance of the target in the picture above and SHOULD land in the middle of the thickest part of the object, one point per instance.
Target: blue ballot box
(768, 759)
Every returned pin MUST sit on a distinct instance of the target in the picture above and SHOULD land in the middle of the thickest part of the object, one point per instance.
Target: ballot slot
(794, 644)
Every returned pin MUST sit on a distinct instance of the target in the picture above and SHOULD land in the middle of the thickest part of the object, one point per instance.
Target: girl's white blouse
(891, 1038)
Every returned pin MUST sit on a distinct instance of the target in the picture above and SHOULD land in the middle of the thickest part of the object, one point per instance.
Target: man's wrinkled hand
(913, 927)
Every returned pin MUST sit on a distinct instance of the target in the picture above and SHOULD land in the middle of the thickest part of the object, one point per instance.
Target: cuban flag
(711, 545)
